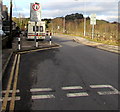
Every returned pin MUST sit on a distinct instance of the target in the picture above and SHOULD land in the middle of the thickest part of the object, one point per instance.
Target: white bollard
(37, 40)
(50, 38)
(19, 47)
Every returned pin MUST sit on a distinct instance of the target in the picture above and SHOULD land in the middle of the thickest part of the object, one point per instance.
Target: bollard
(19, 47)
(50, 38)
(37, 40)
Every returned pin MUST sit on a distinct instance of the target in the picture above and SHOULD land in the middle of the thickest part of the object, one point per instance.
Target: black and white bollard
(50, 38)
(37, 40)
(19, 47)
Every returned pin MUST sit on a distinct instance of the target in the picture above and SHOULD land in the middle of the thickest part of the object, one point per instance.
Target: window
(36, 28)
(33, 28)
(41, 28)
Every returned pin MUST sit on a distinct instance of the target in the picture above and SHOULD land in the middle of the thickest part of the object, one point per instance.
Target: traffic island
(26, 47)
(35, 49)
(30, 45)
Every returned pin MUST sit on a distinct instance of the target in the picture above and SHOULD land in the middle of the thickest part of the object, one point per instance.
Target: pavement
(110, 48)
(26, 46)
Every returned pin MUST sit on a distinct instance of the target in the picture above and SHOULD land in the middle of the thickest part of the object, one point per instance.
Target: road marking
(4, 91)
(114, 90)
(9, 99)
(22, 52)
(35, 97)
(4, 104)
(12, 102)
(77, 94)
(40, 89)
(72, 88)
(5, 66)
(31, 90)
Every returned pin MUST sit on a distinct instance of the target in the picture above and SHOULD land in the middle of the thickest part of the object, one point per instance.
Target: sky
(104, 9)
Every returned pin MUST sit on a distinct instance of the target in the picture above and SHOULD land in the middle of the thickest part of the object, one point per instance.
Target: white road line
(72, 88)
(35, 97)
(114, 90)
(100, 86)
(108, 93)
(4, 91)
(40, 89)
(9, 98)
(31, 90)
(77, 94)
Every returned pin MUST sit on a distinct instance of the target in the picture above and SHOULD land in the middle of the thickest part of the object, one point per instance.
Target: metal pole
(35, 33)
(10, 36)
(63, 24)
(19, 47)
(37, 40)
(85, 18)
(50, 37)
(84, 26)
(92, 31)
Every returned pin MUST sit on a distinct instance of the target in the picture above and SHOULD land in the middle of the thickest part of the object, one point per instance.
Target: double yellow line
(14, 74)
(14, 70)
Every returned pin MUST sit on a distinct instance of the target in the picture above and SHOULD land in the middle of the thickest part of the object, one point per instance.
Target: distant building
(5, 12)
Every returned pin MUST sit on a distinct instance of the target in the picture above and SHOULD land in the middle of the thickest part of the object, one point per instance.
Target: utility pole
(84, 19)
(84, 26)
(64, 27)
(10, 36)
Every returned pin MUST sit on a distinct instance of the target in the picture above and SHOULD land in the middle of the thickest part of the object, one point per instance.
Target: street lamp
(64, 25)
(84, 19)
(10, 36)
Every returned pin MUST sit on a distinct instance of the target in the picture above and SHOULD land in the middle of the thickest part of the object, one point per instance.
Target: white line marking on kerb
(31, 90)
(72, 88)
(114, 90)
(4, 91)
(40, 89)
(35, 97)
(77, 94)
(9, 99)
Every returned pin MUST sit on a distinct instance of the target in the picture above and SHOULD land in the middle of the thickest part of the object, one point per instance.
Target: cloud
(104, 9)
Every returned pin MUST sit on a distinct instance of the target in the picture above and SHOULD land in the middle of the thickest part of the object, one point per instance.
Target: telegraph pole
(64, 27)
(84, 19)
(10, 36)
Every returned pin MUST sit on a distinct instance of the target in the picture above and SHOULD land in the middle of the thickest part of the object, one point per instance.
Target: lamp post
(84, 19)
(64, 25)
(10, 36)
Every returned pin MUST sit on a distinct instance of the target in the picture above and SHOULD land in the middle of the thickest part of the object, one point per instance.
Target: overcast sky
(104, 9)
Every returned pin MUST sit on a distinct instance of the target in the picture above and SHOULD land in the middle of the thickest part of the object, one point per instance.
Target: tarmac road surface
(72, 77)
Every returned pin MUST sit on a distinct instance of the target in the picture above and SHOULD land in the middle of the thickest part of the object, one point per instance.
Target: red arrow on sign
(36, 7)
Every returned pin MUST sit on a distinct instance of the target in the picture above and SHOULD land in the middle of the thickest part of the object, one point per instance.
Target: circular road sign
(36, 7)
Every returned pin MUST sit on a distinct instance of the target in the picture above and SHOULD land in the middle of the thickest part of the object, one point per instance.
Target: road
(72, 77)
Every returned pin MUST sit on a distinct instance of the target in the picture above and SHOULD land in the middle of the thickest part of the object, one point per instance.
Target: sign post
(35, 15)
(93, 22)
(35, 34)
